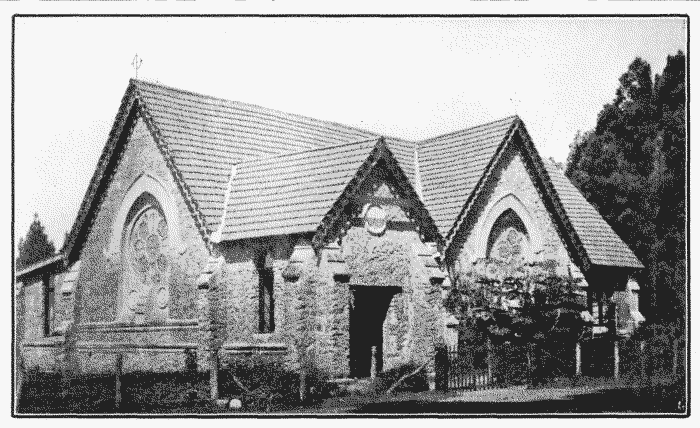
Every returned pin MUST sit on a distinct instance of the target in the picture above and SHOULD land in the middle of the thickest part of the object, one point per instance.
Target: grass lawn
(96, 397)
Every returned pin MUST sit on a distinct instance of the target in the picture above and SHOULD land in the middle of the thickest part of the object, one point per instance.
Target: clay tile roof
(602, 244)
(290, 193)
(452, 164)
(291, 169)
(207, 135)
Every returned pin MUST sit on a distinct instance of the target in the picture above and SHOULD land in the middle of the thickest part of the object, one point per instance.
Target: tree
(35, 247)
(531, 305)
(631, 167)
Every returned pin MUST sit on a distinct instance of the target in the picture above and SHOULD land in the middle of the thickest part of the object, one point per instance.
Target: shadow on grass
(660, 399)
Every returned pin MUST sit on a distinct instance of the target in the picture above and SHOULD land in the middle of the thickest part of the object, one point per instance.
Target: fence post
(616, 362)
(489, 357)
(442, 368)
(578, 358)
(302, 385)
(643, 357)
(675, 357)
(373, 363)
(118, 369)
(214, 374)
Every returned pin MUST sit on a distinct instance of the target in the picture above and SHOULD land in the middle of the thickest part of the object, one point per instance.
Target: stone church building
(218, 226)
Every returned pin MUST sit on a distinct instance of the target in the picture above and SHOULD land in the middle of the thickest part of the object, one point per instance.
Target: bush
(269, 384)
(415, 383)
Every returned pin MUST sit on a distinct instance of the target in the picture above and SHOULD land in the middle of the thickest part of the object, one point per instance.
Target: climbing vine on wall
(530, 301)
(375, 261)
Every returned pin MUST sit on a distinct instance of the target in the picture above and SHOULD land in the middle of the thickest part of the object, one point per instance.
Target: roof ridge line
(482, 125)
(301, 152)
(243, 103)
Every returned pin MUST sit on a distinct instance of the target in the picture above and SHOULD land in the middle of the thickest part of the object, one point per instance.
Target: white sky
(410, 77)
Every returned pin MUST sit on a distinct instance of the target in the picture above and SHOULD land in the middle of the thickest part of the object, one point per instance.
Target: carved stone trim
(118, 326)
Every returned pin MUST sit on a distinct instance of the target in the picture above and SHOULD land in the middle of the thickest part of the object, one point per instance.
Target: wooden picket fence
(462, 375)
(658, 358)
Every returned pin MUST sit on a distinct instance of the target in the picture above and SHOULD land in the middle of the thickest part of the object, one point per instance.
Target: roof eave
(73, 244)
(29, 270)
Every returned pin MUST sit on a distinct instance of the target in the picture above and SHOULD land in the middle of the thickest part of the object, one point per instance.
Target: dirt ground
(587, 399)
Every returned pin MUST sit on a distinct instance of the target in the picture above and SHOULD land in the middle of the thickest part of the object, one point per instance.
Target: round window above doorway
(375, 220)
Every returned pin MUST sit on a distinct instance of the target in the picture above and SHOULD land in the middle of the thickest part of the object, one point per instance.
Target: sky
(411, 78)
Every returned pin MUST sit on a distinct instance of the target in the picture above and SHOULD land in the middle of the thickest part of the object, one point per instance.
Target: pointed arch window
(508, 240)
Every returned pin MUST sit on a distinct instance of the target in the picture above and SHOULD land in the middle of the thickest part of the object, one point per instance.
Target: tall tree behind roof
(631, 167)
(35, 247)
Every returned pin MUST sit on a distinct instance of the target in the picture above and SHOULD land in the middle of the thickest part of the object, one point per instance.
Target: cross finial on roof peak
(136, 63)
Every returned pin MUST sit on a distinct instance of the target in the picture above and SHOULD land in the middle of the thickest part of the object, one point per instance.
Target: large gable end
(308, 191)
(118, 135)
(381, 158)
(132, 108)
(453, 167)
(586, 235)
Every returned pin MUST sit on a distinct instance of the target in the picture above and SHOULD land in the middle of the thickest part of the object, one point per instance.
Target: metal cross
(136, 63)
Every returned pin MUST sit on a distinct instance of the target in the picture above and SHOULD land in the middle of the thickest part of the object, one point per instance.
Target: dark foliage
(632, 168)
(35, 247)
(269, 385)
(94, 393)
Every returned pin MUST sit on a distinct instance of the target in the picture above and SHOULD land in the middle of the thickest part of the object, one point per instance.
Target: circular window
(375, 220)
(147, 244)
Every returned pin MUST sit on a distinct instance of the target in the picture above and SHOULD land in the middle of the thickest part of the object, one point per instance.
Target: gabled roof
(588, 237)
(207, 135)
(451, 165)
(300, 192)
(603, 246)
(290, 193)
(265, 172)
(201, 137)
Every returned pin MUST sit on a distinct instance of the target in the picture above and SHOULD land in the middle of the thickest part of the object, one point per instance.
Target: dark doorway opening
(368, 308)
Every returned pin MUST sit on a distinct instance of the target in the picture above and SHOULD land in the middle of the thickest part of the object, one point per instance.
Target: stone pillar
(214, 373)
(578, 359)
(118, 368)
(210, 326)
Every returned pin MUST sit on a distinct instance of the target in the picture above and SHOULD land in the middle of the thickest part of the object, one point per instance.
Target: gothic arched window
(145, 293)
(508, 240)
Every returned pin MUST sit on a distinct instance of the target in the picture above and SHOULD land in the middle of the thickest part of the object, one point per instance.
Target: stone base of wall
(45, 355)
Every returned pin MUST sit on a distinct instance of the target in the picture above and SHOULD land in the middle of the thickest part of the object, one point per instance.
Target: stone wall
(239, 298)
(101, 272)
(33, 294)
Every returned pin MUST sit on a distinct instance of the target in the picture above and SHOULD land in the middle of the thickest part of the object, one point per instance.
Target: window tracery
(508, 240)
(146, 294)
